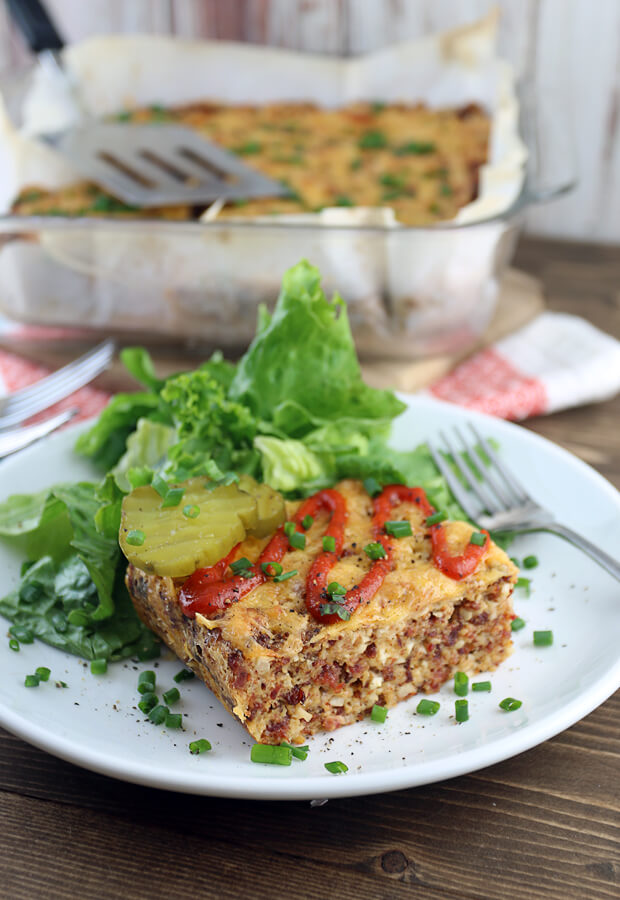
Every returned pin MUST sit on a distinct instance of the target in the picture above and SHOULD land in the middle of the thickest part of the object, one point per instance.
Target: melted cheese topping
(272, 620)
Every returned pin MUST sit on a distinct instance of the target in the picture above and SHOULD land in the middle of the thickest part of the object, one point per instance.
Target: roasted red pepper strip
(208, 592)
(456, 567)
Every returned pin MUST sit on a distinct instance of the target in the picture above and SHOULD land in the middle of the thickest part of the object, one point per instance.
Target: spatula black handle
(34, 22)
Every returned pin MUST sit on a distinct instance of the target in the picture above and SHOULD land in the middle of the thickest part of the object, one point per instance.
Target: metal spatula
(143, 165)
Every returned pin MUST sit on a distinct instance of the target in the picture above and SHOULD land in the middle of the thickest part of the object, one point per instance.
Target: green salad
(294, 412)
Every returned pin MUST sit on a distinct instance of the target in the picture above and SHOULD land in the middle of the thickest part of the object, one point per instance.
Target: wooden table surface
(543, 824)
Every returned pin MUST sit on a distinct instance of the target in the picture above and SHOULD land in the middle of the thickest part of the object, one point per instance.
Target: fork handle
(35, 24)
(603, 559)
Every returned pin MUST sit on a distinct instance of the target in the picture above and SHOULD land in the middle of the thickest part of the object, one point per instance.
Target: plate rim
(270, 787)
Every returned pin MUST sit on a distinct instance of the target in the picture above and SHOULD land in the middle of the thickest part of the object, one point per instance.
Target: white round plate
(95, 722)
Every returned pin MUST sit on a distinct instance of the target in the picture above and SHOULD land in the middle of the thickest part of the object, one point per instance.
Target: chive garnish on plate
(336, 767)
(271, 754)
(461, 710)
(378, 714)
(427, 707)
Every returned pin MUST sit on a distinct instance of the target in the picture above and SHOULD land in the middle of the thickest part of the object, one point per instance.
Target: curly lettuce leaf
(214, 434)
(301, 370)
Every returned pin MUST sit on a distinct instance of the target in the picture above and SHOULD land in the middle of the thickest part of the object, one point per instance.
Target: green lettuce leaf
(301, 370)
(50, 595)
(147, 448)
(105, 442)
(138, 362)
(287, 464)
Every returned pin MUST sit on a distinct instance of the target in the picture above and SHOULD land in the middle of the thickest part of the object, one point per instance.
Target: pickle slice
(270, 506)
(168, 541)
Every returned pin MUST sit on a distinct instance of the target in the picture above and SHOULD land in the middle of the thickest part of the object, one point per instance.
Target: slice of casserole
(293, 654)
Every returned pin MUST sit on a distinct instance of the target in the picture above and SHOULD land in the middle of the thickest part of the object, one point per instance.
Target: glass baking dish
(412, 292)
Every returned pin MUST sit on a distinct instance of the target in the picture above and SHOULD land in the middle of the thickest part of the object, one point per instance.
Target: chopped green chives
(289, 528)
(329, 543)
(530, 562)
(271, 754)
(436, 518)
(461, 710)
(513, 559)
(427, 707)
(336, 609)
(240, 565)
(43, 673)
(191, 511)
(173, 720)
(524, 584)
(372, 486)
(173, 497)
(171, 696)
(415, 148)
(183, 675)
(378, 714)
(285, 576)
(337, 767)
(372, 140)
(248, 148)
(375, 550)
(199, 746)
(481, 686)
(160, 485)
(135, 537)
(98, 666)
(307, 522)
(461, 684)
(509, 704)
(297, 751)
(517, 624)
(22, 634)
(399, 528)
(62, 684)
(271, 568)
(32, 681)
(149, 701)
(14, 645)
(336, 589)
(543, 638)
(158, 714)
(146, 681)
(478, 538)
(297, 540)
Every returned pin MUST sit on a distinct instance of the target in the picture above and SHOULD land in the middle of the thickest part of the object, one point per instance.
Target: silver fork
(14, 439)
(22, 404)
(498, 502)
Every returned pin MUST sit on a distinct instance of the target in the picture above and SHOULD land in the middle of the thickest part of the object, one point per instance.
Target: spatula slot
(124, 169)
(169, 168)
(208, 165)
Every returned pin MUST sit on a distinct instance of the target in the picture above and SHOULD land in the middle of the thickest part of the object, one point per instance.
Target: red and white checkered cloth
(555, 362)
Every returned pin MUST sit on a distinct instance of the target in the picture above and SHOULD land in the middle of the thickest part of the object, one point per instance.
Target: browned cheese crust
(423, 163)
(287, 676)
